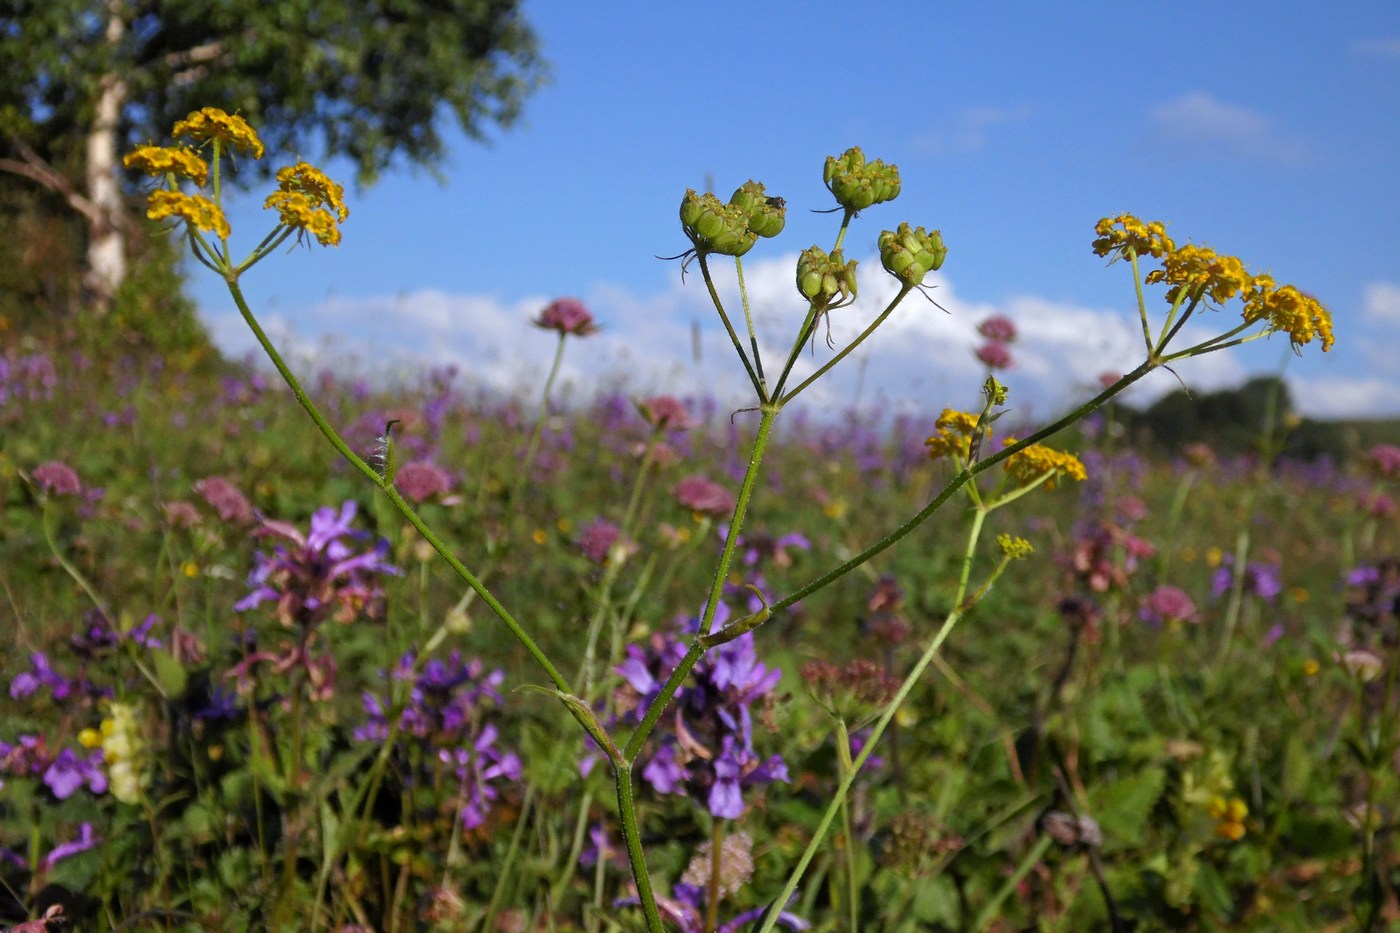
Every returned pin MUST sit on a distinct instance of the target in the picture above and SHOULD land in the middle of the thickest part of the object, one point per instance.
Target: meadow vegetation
(831, 672)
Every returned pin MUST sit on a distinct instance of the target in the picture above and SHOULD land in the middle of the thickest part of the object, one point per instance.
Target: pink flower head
(998, 329)
(223, 497)
(1109, 378)
(568, 316)
(994, 355)
(666, 412)
(1385, 459)
(702, 495)
(57, 479)
(421, 480)
(597, 539)
(1168, 604)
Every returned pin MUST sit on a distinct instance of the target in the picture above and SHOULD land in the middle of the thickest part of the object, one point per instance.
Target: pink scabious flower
(994, 355)
(225, 499)
(699, 494)
(1168, 604)
(181, 514)
(666, 413)
(998, 329)
(1385, 459)
(421, 480)
(567, 316)
(57, 479)
(597, 539)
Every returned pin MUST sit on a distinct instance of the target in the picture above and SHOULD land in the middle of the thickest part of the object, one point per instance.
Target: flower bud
(714, 227)
(857, 184)
(826, 281)
(766, 215)
(909, 255)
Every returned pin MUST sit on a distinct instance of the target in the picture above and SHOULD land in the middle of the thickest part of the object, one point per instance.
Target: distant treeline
(1235, 421)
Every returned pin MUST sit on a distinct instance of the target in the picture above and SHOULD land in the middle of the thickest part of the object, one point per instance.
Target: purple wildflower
(1260, 580)
(67, 772)
(319, 576)
(57, 479)
(708, 752)
(1385, 459)
(87, 839)
(27, 683)
(478, 767)
(686, 910)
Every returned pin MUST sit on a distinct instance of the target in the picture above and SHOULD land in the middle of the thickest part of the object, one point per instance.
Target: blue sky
(1266, 130)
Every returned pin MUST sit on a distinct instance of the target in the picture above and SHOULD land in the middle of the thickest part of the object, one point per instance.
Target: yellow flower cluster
(1037, 460)
(1229, 817)
(229, 130)
(1200, 270)
(169, 160)
(954, 437)
(1013, 547)
(307, 200)
(1287, 309)
(1125, 232)
(195, 209)
(122, 750)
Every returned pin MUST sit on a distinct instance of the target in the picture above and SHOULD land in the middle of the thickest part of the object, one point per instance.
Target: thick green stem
(631, 834)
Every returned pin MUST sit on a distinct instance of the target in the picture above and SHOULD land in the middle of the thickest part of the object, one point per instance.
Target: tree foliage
(367, 79)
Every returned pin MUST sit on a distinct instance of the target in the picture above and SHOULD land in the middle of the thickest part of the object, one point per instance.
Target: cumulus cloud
(1200, 125)
(969, 129)
(920, 360)
(1343, 397)
(1382, 303)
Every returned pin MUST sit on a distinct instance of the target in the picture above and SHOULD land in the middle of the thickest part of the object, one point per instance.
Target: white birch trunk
(106, 252)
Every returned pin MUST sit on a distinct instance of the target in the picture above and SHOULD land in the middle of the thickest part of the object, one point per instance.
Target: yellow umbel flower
(1200, 270)
(192, 208)
(1229, 817)
(1125, 232)
(308, 200)
(1037, 460)
(1013, 547)
(954, 438)
(1287, 309)
(230, 130)
(169, 160)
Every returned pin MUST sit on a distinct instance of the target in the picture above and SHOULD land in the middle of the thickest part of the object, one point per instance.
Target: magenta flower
(1168, 604)
(994, 355)
(1385, 459)
(705, 496)
(422, 480)
(225, 499)
(998, 329)
(57, 479)
(597, 539)
(665, 412)
(567, 316)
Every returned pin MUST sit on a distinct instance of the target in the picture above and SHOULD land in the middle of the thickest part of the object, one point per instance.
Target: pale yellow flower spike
(191, 208)
(163, 160)
(213, 123)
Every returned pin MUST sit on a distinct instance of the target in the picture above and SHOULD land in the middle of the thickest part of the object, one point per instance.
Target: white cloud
(969, 129)
(1200, 125)
(920, 360)
(1344, 398)
(1382, 303)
